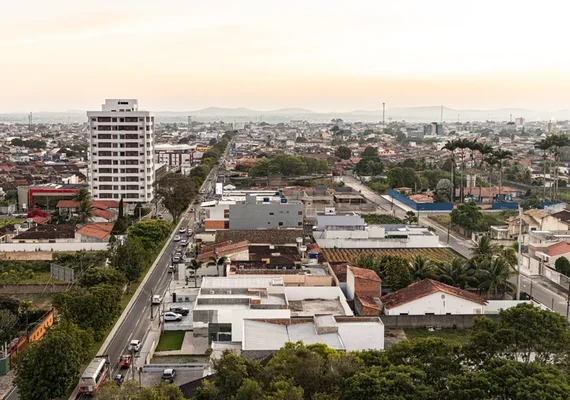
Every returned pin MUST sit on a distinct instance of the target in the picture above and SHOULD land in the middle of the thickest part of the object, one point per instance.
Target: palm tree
(195, 265)
(451, 146)
(473, 146)
(543, 145)
(458, 273)
(218, 262)
(558, 141)
(82, 195)
(462, 144)
(485, 248)
(421, 268)
(509, 255)
(485, 150)
(494, 276)
(502, 156)
(85, 211)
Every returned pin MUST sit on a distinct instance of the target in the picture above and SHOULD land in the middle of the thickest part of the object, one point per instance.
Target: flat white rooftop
(241, 282)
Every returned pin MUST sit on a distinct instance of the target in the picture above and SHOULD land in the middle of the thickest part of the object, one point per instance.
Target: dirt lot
(27, 255)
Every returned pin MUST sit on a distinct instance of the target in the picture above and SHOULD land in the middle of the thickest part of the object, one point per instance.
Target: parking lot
(187, 321)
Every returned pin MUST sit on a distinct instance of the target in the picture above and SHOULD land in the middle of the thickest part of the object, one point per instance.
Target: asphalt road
(138, 320)
(543, 292)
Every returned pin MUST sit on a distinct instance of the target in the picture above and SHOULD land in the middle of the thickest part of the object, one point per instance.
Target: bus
(93, 376)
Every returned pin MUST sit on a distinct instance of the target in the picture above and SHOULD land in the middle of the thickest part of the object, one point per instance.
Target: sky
(325, 56)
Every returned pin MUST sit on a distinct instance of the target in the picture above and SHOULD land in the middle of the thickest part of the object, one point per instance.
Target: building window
(280, 223)
(300, 213)
(271, 213)
(299, 224)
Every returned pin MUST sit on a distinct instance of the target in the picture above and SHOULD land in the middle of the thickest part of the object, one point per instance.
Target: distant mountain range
(411, 114)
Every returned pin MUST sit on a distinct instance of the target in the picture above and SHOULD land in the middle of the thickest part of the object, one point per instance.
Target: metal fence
(62, 273)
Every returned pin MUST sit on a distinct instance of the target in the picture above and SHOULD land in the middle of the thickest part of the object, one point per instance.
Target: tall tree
(218, 262)
(85, 211)
(502, 156)
(451, 146)
(82, 195)
(176, 192)
(421, 268)
(343, 152)
(49, 367)
(543, 145)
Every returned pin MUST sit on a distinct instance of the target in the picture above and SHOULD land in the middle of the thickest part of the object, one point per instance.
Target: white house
(431, 297)
(343, 334)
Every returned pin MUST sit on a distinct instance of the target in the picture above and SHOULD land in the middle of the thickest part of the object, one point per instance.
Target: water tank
(283, 200)
(313, 255)
(266, 199)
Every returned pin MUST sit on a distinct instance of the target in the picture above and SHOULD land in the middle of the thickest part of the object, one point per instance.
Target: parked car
(176, 238)
(170, 269)
(156, 299)
(124, 361)
(180, 310)
(135, 345)
(119, 379)
(182, 229)
(169, 375)
(172, 316)
(176, 259)
(184, 242)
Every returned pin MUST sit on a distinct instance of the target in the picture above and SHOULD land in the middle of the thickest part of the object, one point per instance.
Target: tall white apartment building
(121, 152)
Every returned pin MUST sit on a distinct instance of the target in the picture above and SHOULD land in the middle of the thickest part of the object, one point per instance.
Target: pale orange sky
(322, 55)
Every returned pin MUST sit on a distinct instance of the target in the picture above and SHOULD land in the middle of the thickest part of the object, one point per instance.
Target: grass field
(170, 340)
(452, 336)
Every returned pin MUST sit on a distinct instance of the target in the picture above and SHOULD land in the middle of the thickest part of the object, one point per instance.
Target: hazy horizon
(325, 56)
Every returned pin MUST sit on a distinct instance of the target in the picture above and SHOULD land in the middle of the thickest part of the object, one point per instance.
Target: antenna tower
(441, 116)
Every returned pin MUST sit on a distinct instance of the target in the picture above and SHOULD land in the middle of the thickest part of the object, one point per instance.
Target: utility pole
(520, 259)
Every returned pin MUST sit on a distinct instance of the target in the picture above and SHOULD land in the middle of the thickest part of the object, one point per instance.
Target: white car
(182, 229)
(156, 299)
(176, 238)
(172, 316)
(135, 345)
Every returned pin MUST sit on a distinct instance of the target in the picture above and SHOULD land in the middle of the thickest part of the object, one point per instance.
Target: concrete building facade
(121, 152)
(252, 215)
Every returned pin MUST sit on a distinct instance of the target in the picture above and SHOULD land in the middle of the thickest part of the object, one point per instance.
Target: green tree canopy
(343, 152)
(176, 192)
(48, 367)
(370, 152)
(369, 166)
(468, 216)
(93, 308)
(562, 265)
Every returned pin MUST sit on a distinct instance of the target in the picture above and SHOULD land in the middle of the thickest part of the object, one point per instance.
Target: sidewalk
(6, 384)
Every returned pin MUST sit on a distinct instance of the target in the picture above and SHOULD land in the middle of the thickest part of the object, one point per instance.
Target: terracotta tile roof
(563, 215)
(99, 230)
(340, 271)
(105, 204)
(212, 247)
(108, 215)
(424, 288)
(67, 204)
(368, 301)
(48, 231)
(364, 273)
(224, 250)
(313, 247)
(265, 236)
(558, 249)
(39, 220)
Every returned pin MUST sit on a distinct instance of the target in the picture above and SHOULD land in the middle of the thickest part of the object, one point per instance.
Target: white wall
(236, 317)
(349, 284)
(413, 241)
(434, 303)
(52, 246)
